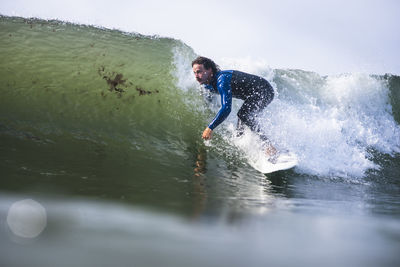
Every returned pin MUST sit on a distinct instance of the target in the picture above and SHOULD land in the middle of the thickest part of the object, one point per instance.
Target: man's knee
(247, 119)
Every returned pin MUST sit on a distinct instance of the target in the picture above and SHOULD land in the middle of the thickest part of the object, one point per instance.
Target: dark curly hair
(207, 63)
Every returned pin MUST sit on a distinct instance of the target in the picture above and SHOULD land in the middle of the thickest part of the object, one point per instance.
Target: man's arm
(225, 90)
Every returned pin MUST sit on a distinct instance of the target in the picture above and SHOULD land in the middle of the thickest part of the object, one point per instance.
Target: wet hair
(207, 63)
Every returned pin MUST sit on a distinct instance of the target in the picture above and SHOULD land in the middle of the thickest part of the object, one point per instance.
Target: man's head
(204, 69)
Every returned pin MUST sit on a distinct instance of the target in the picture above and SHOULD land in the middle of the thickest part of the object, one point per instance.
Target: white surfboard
(255, 153)
(284, 161)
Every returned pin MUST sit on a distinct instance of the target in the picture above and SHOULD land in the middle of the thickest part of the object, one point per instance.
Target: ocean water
(102, 162)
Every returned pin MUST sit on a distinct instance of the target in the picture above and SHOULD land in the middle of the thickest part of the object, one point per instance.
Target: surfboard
(285, 161)
(254, 152)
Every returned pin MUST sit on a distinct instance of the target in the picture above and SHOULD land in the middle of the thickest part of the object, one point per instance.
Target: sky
(329, 36)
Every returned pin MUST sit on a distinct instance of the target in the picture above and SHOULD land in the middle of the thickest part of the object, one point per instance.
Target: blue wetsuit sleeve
(225, 90)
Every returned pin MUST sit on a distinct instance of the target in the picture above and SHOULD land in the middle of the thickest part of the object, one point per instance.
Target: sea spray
(334, 123)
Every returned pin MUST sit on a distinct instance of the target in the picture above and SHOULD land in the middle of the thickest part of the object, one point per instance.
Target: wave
(135, 93)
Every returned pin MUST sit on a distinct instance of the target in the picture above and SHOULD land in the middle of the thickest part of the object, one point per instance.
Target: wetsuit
(256, 92)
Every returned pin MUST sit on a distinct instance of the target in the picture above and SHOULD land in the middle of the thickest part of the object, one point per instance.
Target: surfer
(256, 92)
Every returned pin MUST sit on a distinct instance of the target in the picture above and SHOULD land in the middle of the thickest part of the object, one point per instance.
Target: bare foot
(270, 151)
(272, 154)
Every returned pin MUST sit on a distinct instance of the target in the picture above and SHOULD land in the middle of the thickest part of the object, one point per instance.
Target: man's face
(203, 75)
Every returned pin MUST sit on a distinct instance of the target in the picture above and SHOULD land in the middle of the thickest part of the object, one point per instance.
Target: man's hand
(207, 134)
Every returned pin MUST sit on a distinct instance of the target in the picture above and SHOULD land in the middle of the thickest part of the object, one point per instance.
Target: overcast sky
(327, 36)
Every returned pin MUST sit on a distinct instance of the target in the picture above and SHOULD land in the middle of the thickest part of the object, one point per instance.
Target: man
(256, 92)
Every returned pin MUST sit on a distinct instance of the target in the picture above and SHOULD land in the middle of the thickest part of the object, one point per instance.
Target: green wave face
(68, 88)
(394, 85)
(99, 78)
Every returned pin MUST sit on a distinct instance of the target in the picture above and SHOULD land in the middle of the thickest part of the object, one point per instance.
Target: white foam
(335, 126)
(182, 72)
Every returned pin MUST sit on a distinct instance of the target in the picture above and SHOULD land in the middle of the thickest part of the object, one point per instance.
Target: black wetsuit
(256, 92)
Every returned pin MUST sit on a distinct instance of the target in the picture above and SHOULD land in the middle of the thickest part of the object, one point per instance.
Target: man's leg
(239, 128)
(247, 116)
